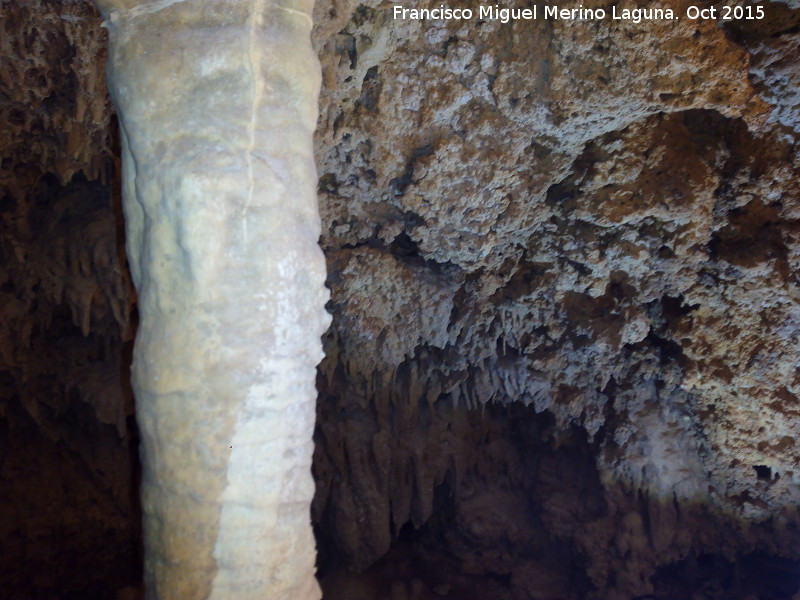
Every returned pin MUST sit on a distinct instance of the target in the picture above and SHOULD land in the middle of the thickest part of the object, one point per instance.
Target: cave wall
(563, 260)
(68, 496)
(597, 220)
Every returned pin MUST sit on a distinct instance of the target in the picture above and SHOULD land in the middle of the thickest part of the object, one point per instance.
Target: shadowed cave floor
(457, 554)
(490, 540)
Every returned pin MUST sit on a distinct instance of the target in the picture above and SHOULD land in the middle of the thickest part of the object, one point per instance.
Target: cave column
(217, 103)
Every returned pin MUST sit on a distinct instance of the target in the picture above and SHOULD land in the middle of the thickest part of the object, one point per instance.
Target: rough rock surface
(563, 259)
(595, 220)
(67, 438)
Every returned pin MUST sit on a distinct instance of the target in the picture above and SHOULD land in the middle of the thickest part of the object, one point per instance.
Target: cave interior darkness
(563, 258)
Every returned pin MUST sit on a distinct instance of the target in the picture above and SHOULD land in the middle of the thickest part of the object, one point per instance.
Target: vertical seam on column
(296, 12)
(258, 90)
(117, 13)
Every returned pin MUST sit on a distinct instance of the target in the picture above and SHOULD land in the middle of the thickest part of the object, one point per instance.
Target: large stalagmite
(564, 261)
(217, 103)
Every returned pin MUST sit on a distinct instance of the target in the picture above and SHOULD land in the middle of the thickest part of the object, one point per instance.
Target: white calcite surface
(217, 104)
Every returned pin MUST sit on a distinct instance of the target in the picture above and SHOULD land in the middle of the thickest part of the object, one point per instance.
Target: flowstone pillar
(217, 103)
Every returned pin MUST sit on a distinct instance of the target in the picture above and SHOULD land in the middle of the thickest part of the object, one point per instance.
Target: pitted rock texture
(595, 220)
(563, 261)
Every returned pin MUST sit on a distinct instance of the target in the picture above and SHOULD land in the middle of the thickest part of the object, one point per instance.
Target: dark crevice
(669, 351)
(779, 20)
(398, 185)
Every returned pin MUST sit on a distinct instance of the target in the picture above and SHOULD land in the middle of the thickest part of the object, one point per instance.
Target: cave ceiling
(564, 264)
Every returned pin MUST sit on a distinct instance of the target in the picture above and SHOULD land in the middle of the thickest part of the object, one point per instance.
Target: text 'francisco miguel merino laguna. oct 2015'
(553, 12)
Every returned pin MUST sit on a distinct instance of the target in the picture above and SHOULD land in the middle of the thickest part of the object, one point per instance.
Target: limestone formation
(217, 103)
(596, 220)
(563, 262)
